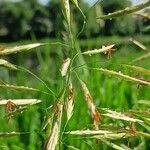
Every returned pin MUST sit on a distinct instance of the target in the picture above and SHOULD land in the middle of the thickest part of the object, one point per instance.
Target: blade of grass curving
(84, 18)
(28, 71)
(125, 11)
(7, 64)
(122, 76)
(20, 88)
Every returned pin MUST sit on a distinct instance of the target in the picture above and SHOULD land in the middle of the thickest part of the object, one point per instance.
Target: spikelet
(66, 8)
(20, 102)
(65, 67)
(120, 116)
(88, 132)
(123, 76)
(7, 64)
(138, 44)
(92, 108)
(104, 49)
(69, 103)
(54, 137)
(16, 49)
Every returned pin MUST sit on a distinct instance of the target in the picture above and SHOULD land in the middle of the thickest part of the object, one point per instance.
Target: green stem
(28, 71)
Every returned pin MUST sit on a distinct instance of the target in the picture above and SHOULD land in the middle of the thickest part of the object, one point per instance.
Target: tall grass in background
(78, 106)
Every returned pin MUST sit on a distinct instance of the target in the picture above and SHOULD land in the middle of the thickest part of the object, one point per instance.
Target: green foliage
(14, 18)
(123, 25)
(26, 18)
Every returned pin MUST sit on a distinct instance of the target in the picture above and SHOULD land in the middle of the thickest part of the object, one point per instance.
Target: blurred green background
(28, 21)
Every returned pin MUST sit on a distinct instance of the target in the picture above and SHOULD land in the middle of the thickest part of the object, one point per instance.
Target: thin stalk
(28, 71)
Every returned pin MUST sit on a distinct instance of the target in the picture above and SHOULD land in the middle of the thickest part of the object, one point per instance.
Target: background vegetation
(25, 18)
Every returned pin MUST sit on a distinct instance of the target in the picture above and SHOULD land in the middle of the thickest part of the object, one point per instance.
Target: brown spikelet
(92, 108)
(69, 103)
(54, 137)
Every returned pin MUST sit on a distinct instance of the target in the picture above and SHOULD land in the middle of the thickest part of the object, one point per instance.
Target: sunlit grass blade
(125, 11)
(123, 76)
(137, 69)
(7, 64)
(112, 145)
(20, 102)
(144, 56)
(16, 49)
(139, 44)
(120, 116)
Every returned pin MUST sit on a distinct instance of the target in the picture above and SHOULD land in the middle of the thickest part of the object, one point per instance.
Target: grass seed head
(69, 103)
(65, 67)
(66, 8)
(54, 137)
(92, 108)
(104, 49)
